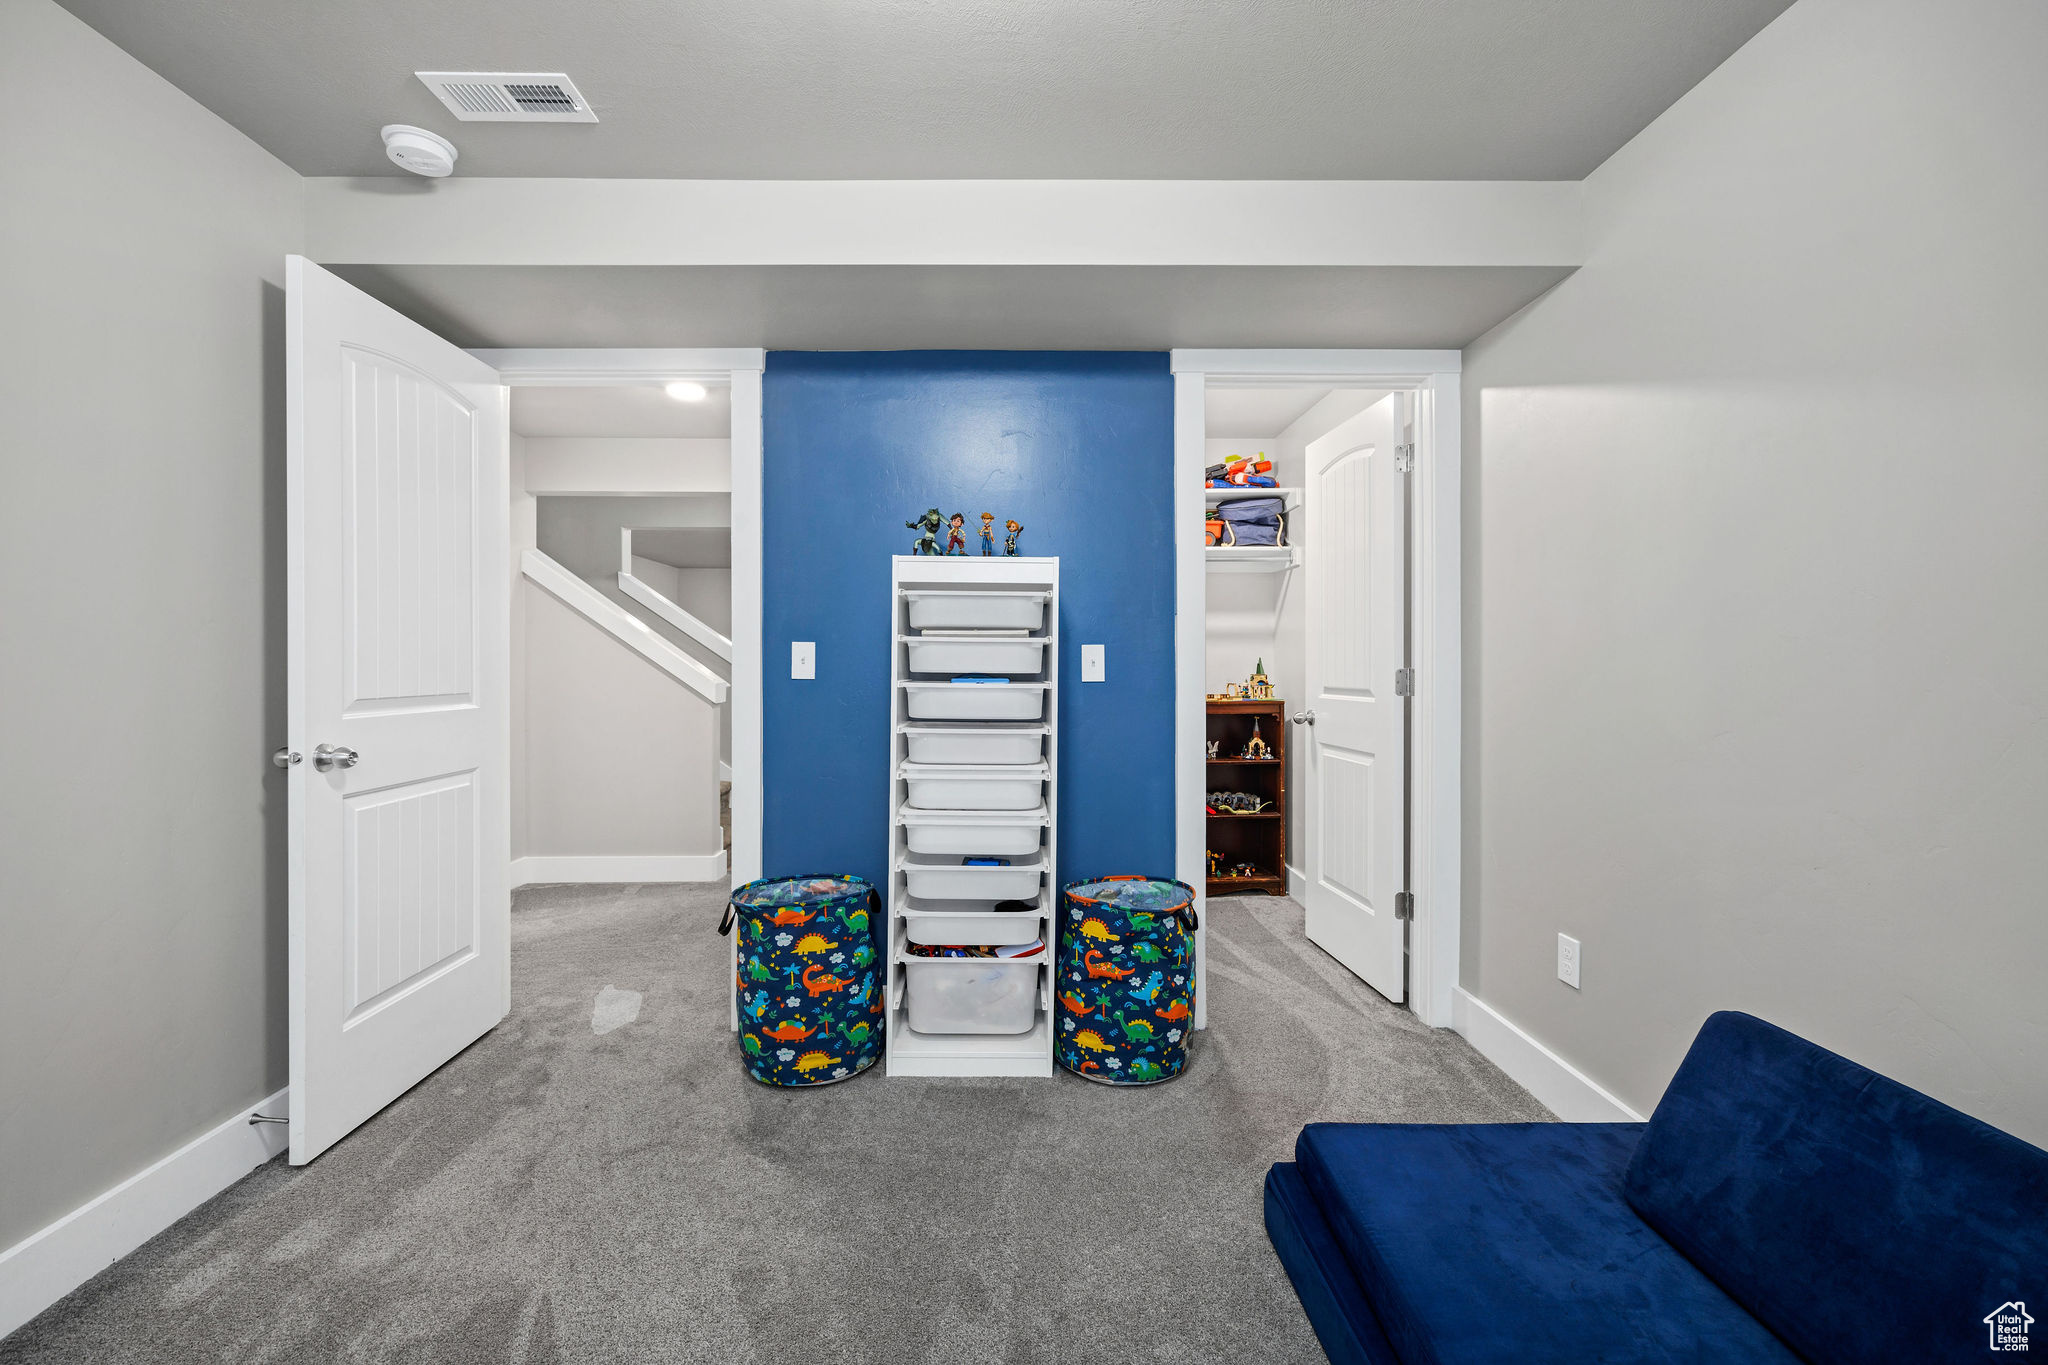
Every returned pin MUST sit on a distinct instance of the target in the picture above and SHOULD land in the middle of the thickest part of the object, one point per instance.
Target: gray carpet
(597, 1181)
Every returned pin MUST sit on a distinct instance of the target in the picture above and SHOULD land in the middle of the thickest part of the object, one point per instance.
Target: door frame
(1435, 811)
(739, 367)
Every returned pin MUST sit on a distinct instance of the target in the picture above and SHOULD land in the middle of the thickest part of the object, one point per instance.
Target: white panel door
(1356, 565)
(397, 504)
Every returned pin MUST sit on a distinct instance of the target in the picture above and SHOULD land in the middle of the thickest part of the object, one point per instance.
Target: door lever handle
(335, 756)
(1304, 718)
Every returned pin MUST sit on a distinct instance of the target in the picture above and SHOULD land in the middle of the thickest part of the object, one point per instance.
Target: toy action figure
(1015, 529)
(956, 534)
(927, 527)
(988, 533)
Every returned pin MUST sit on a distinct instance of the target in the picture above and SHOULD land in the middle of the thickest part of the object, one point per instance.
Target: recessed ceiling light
(685, 391)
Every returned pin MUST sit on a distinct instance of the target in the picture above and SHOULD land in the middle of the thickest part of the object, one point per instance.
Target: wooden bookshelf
(1259, 839)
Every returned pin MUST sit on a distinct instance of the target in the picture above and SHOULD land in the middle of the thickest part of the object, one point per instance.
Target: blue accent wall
(1078, 446)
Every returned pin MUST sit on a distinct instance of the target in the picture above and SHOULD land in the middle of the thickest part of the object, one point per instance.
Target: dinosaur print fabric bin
(809, 983)
(1125, 989)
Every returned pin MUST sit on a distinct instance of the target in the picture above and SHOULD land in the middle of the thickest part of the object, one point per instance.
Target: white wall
(142, 933)
(628, 464)
(621, 758)
(1757, 679)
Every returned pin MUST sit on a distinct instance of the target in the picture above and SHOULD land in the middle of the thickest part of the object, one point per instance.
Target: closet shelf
(1290, 498)
(1249, 558)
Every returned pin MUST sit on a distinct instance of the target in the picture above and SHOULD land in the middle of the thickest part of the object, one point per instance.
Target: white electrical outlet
(803, 659)
(1568, 960)
(1093, 668)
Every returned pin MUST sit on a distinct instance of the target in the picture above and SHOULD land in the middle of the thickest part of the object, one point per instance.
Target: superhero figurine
(927, 527)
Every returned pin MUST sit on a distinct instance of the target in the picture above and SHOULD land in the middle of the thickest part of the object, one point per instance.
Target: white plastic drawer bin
(962, 652)
(967, 922)
(968, 743)
(944, 877)
(976, 701)
(976, 610)
(947, 786)
(1003, 835)
(972, 995)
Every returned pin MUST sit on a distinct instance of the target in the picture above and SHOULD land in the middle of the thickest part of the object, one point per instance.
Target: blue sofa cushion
(1859, 1219)
(1511, 1242)
(1336, 1307)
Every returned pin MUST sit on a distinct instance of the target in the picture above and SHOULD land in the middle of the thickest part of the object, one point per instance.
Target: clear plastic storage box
(972, 995)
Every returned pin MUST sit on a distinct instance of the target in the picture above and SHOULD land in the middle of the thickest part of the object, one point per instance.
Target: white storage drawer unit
(973, 777)
(963, 742)
(927, 921)
(1006, 834)
(972, 994)
(950, 786)
(993, 610)
(976, 701)
(943, 876)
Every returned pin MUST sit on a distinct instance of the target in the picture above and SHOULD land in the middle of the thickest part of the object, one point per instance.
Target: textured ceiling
(879, 308)
(867, 89)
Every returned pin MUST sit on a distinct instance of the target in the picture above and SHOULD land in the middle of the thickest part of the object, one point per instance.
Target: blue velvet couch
(1783, 1204)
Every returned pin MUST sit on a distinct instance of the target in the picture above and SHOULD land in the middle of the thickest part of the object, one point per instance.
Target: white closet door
(399, 671)
(1356, 624)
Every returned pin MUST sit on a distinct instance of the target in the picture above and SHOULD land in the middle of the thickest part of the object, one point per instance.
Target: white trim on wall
(615, 868)
(1190, 646)
(652, 599)
(1562, 1088)
(45, 1266)
(1436, 812)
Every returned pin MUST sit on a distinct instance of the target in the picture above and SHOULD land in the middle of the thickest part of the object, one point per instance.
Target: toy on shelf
(1215, 862)
(956, 534)
(1245, 870)
(988, 533)
(1015, 529)
(1258, 687)
(1212, 531)
(927, 527)
(1255, 747)
(1235, 803)
(1239, 472)
(1215, 746)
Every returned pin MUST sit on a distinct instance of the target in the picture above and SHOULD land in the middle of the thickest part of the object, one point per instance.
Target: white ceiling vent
(509, 96)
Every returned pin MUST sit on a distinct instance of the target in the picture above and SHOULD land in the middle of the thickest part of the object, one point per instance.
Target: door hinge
(1404, 682)
(1404, 905)
(1404, 459)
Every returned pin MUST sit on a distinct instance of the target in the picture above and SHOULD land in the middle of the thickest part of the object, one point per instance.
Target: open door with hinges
(396, 502)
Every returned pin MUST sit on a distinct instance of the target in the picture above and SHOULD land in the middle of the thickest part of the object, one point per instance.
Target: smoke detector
(509, 96)
(419, 151)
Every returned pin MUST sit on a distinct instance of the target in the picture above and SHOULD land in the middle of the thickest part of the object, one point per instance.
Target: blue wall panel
(1078, 446)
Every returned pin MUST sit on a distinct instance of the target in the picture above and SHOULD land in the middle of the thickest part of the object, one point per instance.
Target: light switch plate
(1568, 960)
(803, 659)
(1093, 668)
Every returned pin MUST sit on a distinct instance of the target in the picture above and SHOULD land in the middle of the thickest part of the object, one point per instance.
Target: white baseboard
(724, 771)
(47, 1265)
(652, 867)
(1562, 1088)
(1297, 885)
